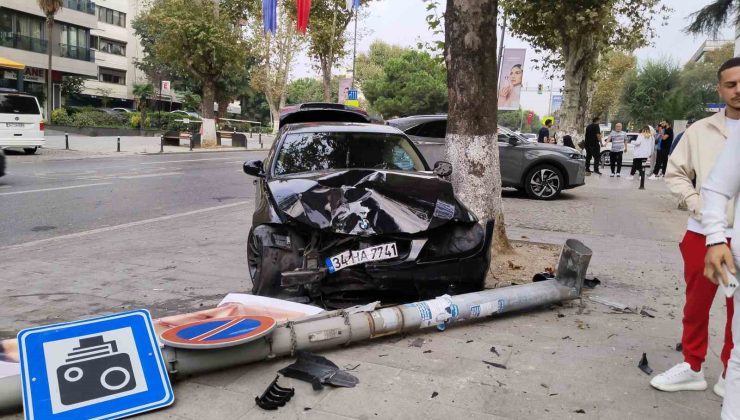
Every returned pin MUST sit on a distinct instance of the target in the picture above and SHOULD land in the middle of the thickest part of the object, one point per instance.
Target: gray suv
(543, 171)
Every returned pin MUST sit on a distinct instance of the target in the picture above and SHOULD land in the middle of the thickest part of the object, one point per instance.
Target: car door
(510, 158)
(429, 138)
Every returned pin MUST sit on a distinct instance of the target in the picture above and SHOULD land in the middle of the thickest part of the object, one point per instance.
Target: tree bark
(326, 78)
(208, 138)
(472, 139)
(578, 58)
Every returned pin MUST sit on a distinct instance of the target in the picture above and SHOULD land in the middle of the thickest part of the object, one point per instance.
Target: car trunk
(20, 117)
(322, 112)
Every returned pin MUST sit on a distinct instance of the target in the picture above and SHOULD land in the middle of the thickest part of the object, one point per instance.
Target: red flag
(304, 10)
(530, 117)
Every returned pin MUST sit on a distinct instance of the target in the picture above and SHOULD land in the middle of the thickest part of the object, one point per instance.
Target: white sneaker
(680, 378)
(719, 387)
(653, 177)
(619, 175)
(611, 175)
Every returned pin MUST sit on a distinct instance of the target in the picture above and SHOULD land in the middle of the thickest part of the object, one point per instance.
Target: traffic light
(540, 89)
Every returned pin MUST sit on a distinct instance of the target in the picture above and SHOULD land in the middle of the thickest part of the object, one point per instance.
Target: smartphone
(729, 290)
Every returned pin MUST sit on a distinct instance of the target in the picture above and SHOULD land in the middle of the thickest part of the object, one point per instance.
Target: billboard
(556, 103)
(345, 85)
(511, 79)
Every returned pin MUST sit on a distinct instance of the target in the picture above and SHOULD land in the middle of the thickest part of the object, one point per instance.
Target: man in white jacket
(723, 186)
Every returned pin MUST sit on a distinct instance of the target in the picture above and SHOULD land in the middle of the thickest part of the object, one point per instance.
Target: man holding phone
(722, 186)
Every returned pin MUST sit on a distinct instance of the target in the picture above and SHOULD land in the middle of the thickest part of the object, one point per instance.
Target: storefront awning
(9, 64)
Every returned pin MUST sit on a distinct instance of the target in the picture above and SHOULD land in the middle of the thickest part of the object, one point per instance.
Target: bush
(91, 118)
(60, 117)
(167, 121)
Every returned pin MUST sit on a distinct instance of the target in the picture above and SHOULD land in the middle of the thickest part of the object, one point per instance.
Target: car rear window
(18, 104)
(309, 152)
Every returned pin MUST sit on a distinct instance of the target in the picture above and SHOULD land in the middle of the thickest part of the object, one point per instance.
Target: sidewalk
(106, 146)
(578, 360)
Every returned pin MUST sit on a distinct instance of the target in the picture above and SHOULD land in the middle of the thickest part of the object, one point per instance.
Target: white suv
(21, 122)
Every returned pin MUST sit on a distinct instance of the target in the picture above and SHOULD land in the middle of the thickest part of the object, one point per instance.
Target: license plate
(15, 125)
(362, 256)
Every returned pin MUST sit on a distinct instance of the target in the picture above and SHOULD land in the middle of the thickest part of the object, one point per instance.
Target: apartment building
(92, 40)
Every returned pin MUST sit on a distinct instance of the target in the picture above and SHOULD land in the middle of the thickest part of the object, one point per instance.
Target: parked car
(186, 114)
(21, 122)
(628, 155)
(2, 163)
(122, 110)
(543, 171)
(349, 212)
(529, 136)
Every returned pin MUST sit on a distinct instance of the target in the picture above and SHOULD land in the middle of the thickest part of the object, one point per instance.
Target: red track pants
(700, 294)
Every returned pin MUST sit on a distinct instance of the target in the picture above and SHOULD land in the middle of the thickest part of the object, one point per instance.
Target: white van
(21, 122)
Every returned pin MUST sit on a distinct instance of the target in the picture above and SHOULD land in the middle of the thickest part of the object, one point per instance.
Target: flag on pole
(304, 10)
(353, 4)
(269, 15)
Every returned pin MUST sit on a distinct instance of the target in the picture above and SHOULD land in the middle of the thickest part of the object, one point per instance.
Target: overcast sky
(402, 22)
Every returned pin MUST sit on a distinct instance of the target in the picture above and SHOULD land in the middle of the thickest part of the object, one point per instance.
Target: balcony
(84, 6)
(77, 53)
(21, 42)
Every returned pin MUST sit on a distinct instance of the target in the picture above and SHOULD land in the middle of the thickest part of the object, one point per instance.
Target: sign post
(102, 368)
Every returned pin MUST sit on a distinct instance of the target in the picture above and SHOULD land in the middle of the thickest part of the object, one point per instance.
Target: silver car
(541, 170)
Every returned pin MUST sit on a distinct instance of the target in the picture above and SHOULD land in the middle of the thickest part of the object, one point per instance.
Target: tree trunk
(578, 58)
(208, 138)
(472, 140)
(326, 78)
(49, 87)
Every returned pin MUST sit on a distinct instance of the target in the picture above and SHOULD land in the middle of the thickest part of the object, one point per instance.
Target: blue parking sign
(100, 368)
(352, 95)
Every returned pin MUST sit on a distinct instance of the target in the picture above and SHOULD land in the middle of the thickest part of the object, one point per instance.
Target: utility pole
(354, 54)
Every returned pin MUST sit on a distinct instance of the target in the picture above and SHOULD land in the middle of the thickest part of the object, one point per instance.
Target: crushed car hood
(369, 202)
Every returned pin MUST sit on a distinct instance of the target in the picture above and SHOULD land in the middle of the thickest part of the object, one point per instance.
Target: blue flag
(269, 15)
(353, 4)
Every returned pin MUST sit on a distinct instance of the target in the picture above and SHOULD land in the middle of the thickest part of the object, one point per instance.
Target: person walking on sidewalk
(664, 150)
(618, 139)
(643, 149)
(592, 144)
(721, 188)
(688, 168)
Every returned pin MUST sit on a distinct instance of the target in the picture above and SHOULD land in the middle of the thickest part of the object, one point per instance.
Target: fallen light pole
(332, 329)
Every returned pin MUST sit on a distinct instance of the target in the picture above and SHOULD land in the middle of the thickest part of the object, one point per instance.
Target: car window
(434, 129)
(18, 104)
(309, 152)
(631, 138)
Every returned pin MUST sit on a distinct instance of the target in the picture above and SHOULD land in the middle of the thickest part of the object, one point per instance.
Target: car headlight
(576, 156)
(453, 242)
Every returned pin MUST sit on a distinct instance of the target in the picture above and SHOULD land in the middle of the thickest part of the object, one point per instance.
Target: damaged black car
(350, 212)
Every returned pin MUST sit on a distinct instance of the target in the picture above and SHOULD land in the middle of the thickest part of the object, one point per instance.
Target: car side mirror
(254, 168)
(443, 169)
(513, 140)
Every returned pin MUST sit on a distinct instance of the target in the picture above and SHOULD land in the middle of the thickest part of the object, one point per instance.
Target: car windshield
(18, 104)
(309, 152)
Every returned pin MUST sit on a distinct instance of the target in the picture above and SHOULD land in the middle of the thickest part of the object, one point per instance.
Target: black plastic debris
(644, 366)
(591, 283)
(494, 351)
(644, 312)
(494, 364)
(679, 347)
(542, 277)
(580, 411)
(274, 396)
(418, 342)
(434, 394)
(318, 371)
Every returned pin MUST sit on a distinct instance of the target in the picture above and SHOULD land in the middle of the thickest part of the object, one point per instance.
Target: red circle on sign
(216, 333)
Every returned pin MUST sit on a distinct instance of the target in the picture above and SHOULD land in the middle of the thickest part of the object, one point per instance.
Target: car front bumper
(576, 173)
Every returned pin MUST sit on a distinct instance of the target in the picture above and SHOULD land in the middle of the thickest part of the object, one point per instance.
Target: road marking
(189, 160)
(123, 226)
(150, 175)
(55, 189)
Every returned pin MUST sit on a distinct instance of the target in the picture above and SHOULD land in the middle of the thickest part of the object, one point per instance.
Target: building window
(109, 46)
(111, 76)
(75, 43)
(113, 17)
(22, 31)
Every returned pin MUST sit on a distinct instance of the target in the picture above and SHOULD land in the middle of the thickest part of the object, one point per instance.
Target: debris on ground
(496, 365)
(591, 283)
(318, 371)
(644, 366)
(418, 342)
(469, 341)
(542, 277)
(274, 396)
(644, 312)
(494, 351)
(514, 266)
(612, 304)
(434, 394)
(580, 411)
(427, 351)
(679, 347)
(351, 368)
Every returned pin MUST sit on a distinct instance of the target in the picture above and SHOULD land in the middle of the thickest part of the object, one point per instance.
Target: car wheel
(30, 150)
(605, 158)
(266, 263)
(544, 182)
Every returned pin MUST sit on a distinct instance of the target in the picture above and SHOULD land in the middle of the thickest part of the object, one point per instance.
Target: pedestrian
(544, 134)
(723, 188)
(592, 144)
(688, 169)
(679, 137)
(664, 150)
(618, 139)
(568, 141)
(643, 149)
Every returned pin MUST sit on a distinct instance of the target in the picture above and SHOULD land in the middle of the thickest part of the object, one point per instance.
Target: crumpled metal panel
(369, 202)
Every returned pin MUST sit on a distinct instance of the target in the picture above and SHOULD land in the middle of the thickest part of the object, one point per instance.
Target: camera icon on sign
(94, 370)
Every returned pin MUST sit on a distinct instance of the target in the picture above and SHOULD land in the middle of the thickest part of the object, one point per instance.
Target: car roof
(341, 128)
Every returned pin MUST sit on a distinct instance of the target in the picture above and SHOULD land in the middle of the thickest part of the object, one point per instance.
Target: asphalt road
(41, 199)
